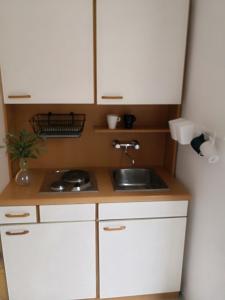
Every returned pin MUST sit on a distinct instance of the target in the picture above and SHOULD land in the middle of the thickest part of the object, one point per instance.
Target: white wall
(4, 173)
(204, 268)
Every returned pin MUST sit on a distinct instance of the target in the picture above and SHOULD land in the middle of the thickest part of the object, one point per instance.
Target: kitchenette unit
(99, 213)
(93, 244)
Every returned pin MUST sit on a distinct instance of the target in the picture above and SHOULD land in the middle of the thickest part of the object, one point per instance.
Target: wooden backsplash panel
(95, 149)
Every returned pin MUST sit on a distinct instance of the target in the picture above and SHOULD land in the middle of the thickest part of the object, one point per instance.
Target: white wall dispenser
(185, 132)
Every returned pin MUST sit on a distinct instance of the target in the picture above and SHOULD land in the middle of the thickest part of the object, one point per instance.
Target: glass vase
(23, 175)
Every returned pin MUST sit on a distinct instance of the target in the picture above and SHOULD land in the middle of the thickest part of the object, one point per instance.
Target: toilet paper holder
(185, 132)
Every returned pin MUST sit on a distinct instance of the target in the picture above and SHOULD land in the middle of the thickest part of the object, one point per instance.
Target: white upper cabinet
(46, 51)
(141, 50)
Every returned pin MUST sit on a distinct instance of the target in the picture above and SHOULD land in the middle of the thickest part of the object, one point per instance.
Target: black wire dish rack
(58, 125)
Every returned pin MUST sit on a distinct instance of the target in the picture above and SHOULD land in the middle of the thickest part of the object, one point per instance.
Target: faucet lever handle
(136, 144)
(116, 144)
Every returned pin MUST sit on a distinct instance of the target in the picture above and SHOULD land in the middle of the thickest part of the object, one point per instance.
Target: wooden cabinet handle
(25, 215)
(19, 96)
(115, 228)
(112, 97)
(17, 233)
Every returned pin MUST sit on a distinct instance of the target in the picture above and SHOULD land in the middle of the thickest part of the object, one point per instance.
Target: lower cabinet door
(139, 257)
(54, 261)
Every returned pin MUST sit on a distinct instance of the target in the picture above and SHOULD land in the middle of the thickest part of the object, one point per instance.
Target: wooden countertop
(29, 195)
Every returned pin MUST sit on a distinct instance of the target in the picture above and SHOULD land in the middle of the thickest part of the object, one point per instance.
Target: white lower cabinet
(54, 261)
(140, 250)
(142, 256)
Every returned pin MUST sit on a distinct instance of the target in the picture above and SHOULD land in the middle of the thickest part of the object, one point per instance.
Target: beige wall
(204, 271)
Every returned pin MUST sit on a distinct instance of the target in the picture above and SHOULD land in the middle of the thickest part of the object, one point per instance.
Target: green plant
(24, 144)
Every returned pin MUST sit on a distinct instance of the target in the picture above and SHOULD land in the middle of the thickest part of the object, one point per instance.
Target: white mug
(112, 121)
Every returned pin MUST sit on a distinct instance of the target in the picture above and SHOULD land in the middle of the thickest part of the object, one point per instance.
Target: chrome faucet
(134, 144)
(125, 145)
(132, 161)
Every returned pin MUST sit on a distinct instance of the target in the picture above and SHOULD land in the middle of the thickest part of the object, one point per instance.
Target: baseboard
(166, 296)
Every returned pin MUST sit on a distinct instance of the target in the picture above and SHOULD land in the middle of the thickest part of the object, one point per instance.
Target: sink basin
(136, 179)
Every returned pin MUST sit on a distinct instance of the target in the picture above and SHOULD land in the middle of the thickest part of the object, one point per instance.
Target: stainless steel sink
(136, 179)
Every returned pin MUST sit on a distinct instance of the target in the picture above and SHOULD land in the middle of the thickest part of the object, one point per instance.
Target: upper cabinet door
(141, 50)
(46, 51)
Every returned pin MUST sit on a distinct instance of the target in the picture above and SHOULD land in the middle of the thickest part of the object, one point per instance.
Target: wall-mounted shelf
(133, 130)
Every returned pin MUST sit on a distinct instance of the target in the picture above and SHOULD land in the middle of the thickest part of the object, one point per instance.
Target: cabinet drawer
(66, 213)
(18, 214)
(134, 210)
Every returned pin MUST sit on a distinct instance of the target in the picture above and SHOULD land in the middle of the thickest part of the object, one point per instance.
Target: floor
(152, 297)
